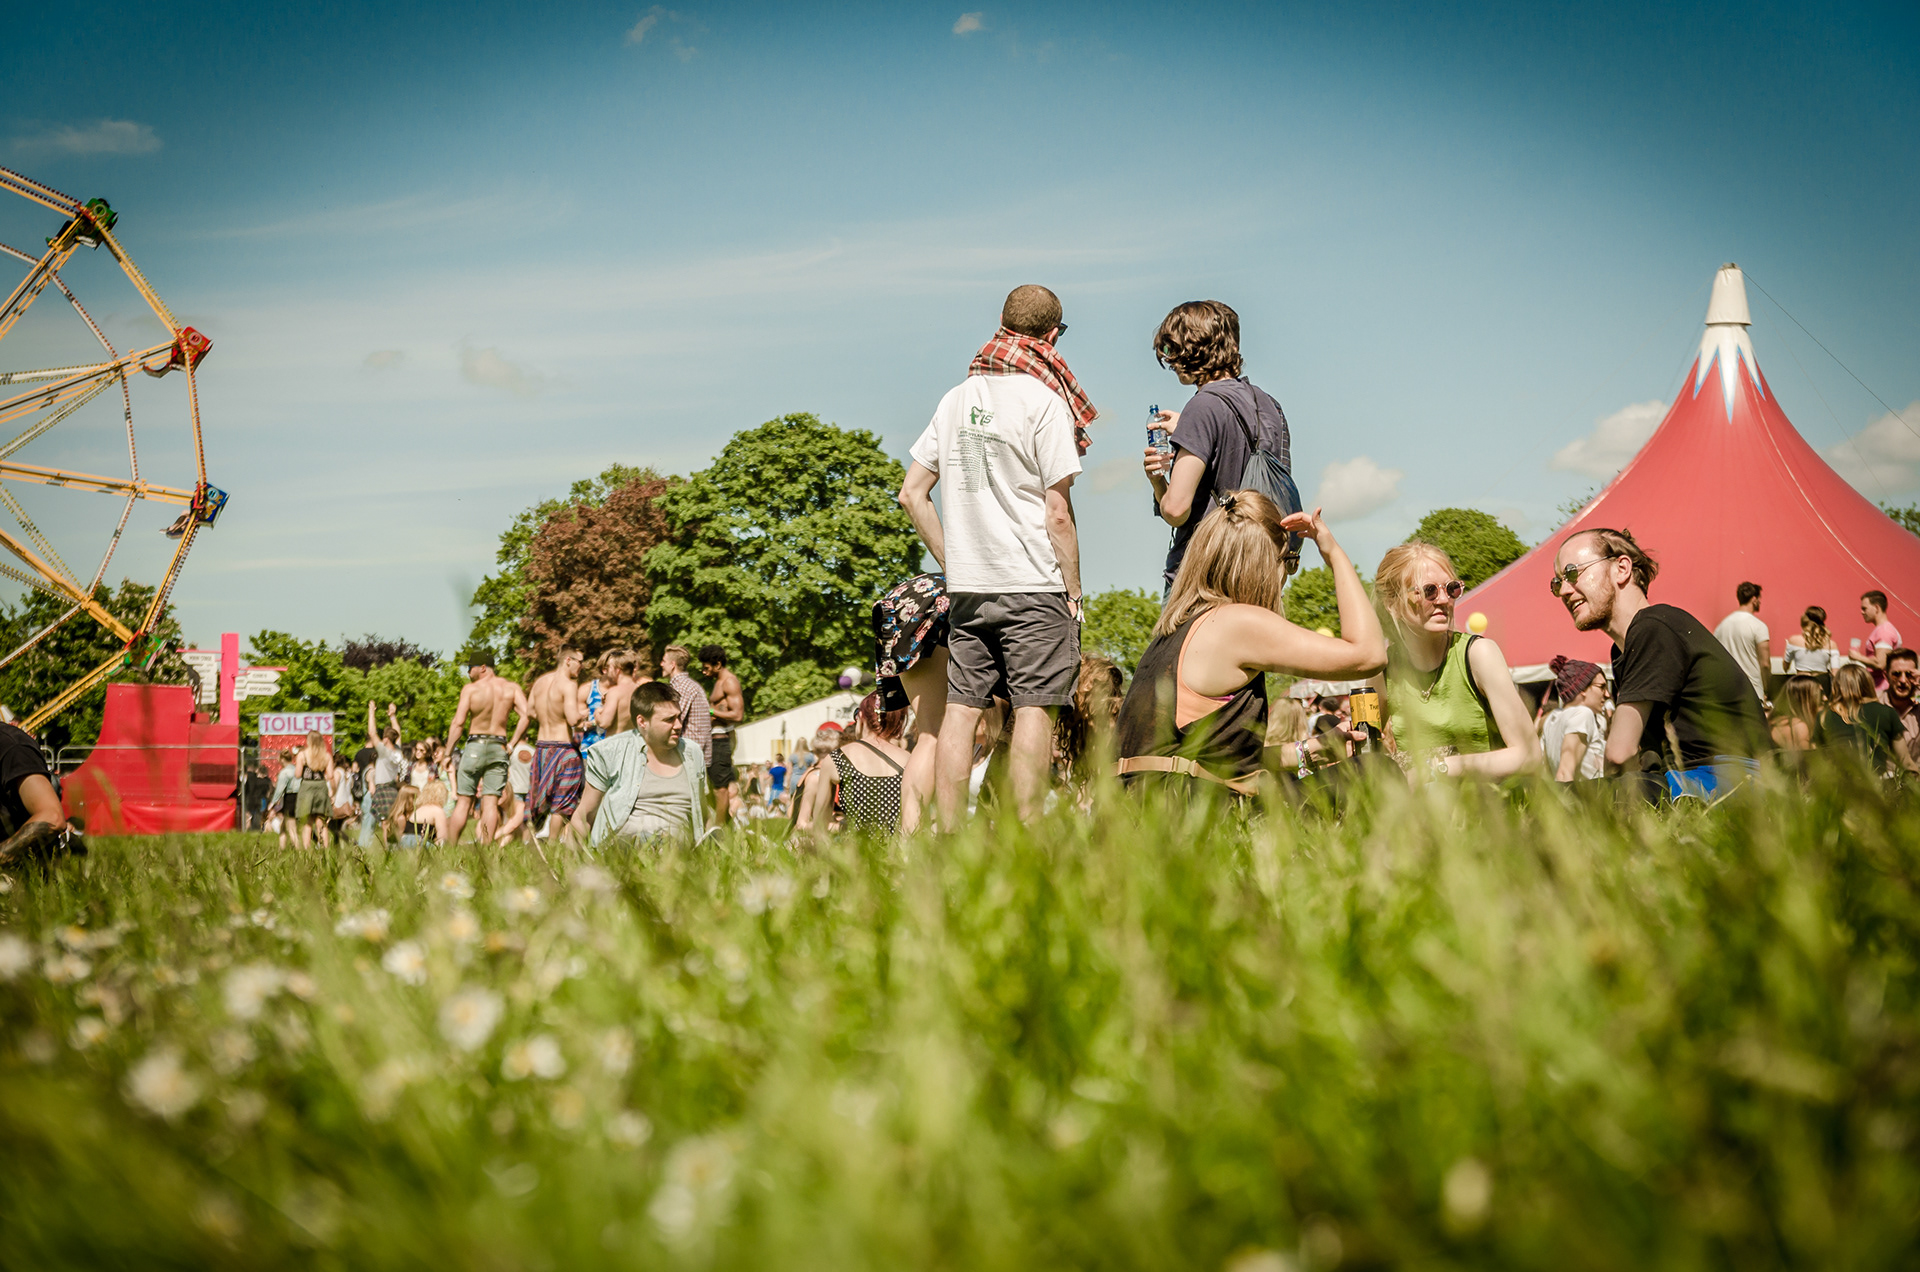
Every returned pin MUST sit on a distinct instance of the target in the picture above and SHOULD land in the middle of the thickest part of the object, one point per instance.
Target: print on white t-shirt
(998, 442)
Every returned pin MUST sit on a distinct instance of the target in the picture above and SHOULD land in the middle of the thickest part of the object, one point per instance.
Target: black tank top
(1229, 741)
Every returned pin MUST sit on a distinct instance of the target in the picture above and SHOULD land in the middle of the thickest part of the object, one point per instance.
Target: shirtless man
(488, 700)
(554, 786)
(729, 707)
(617, 712)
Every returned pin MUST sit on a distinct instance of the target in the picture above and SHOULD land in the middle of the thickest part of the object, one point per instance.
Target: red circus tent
(1726, 490)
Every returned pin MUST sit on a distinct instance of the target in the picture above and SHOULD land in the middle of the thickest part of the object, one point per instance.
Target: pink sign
(291, 724)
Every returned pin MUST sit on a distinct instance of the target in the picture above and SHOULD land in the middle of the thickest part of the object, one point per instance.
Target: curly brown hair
(1200, 338)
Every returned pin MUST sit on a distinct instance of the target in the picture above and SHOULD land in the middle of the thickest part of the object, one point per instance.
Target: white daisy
(462, 927)
(456, 885)
(16, 956)
(535, 1057)
(231, 1050)
(616, 1051)
(161, 1085)
(369, 925)
(525, 900)
(86, 1031)
(408, 961)
(247, 989)
(591, 878)
(629, 1129)
(467, 1019)
(64, 968)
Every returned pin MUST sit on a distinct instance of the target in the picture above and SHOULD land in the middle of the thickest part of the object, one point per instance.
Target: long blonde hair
(1234, 558)
(1393, 581)
(315, 755)
(1286, 722)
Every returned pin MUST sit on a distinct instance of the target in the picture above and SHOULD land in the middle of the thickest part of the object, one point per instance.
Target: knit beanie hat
(1571, 676)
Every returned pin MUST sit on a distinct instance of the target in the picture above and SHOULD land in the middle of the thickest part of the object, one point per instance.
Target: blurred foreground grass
(1453, 1030)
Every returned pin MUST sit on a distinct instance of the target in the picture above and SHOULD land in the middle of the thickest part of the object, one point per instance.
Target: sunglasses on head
(1434, 591)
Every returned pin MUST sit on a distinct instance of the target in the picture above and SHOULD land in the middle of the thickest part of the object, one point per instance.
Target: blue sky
(453, 258)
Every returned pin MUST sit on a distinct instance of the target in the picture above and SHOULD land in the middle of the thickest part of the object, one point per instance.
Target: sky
(453, 259)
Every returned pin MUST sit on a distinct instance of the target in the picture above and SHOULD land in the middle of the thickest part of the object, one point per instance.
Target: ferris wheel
(54, 396)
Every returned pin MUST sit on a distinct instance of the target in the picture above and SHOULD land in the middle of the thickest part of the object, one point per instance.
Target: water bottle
(1157, 435)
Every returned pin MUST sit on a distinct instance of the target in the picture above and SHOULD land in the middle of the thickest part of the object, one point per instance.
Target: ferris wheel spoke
(112, 544)
(131, 487)
(66, 587)
(33, 581)
(36, 281)
(73, 693)
(33, 533)
(40, 635)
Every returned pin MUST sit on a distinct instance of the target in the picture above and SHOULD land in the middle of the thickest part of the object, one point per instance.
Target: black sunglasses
(1059, 330)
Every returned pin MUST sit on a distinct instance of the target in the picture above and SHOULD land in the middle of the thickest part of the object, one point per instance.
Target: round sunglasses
(1433, 591)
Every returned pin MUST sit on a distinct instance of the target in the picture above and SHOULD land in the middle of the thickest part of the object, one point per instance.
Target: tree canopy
(1480, 546)
(1309, 600)
(77, 647)
(318, 678)
(1908, 516)
(777, 551)
(586, 586)
(500, 634)
(1120, 625)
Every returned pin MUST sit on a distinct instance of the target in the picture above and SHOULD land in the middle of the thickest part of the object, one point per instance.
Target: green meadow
(1449, 1029)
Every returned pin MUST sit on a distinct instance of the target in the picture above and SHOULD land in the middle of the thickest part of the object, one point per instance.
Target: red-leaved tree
(587, 585)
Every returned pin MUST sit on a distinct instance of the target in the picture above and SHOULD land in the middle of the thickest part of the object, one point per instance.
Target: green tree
(1571, 508)
(1120, 625)
(777, 551)
(1309, 600)
(500, 636)
(1480, 546)
(793, 685)
(317, 678)
(75, 648)
(1908, 516)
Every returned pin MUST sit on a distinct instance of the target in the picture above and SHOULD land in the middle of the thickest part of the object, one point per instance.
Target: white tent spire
(1725, 341)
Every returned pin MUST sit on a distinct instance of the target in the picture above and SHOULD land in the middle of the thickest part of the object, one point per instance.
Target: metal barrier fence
(251, 784)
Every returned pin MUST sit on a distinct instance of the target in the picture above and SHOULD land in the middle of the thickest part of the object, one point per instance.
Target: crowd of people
(985, 697)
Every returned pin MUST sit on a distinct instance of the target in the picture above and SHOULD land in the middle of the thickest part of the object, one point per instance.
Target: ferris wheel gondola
(55, 395)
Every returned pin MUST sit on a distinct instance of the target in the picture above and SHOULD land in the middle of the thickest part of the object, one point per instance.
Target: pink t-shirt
(1883, 637)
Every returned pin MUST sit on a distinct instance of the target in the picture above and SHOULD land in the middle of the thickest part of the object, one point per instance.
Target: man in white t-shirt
(1004, 443)
(1745, 637)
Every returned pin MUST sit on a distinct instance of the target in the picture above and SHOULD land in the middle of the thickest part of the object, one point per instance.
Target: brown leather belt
(1190, 768)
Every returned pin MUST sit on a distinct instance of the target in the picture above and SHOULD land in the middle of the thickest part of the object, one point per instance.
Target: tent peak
(1728, 305)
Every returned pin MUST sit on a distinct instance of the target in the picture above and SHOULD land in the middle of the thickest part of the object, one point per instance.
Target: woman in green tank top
(1450, 702)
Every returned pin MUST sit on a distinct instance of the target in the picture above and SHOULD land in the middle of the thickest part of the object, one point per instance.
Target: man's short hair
(1031, 310)
(1902, 654)
(623, 660)
(1878, 598)
(1200, 338)
(1613, 543)
(648, 698)
(678, 656)
(566, 652)
(1746, 592)
(712, 656)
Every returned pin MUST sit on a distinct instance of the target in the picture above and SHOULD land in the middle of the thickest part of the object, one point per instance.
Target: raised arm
(373, 734)
(916, 496)
(1065, 537)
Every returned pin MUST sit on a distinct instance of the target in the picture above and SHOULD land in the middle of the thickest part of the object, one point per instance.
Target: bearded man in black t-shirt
(32, 823)
(1667, 667)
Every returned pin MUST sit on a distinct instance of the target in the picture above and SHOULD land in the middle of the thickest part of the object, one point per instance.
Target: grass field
(1451, 1030)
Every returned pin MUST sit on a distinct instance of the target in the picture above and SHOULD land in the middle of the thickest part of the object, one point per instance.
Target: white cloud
(648, 21)
(107, 137)
(968, 24)
(1883, 457)
(1613, 441)
(490, 368)
(385, 358)
(1355, 487)
(1114, 474)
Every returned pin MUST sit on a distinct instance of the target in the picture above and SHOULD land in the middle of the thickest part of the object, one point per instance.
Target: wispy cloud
(651, 20)
(385, 358)
(491, 369)
(1352, 488)
(510, 209)
(1614, 440)
(104, 137)
(1883, 457)
(968, 23)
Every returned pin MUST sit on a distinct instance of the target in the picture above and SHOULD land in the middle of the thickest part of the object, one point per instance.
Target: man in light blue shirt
(648, 783)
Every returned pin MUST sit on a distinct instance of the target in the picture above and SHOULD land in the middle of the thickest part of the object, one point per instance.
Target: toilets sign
(295, 724)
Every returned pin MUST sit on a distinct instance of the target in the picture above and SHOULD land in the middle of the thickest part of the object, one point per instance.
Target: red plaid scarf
(1010, 353)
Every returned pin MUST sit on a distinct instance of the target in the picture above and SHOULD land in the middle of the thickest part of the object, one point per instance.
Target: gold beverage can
(1365, 705)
